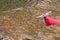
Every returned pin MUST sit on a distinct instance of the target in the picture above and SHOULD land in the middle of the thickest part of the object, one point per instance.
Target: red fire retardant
(51, 21)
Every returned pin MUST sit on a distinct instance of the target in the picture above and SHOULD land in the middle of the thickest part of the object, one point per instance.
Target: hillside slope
(21, 23)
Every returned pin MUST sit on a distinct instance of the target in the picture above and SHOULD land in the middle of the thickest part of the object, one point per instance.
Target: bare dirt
(22, 24)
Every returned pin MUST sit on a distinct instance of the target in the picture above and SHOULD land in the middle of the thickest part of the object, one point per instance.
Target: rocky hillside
(21, 23)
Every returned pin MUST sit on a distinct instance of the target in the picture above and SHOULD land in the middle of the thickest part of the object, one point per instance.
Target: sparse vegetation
(18, 19)
(11, 4)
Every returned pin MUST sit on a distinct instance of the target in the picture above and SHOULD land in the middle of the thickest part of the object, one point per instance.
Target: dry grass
(21, 24)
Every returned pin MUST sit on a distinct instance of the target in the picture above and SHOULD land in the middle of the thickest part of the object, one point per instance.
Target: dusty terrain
(22, 24)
